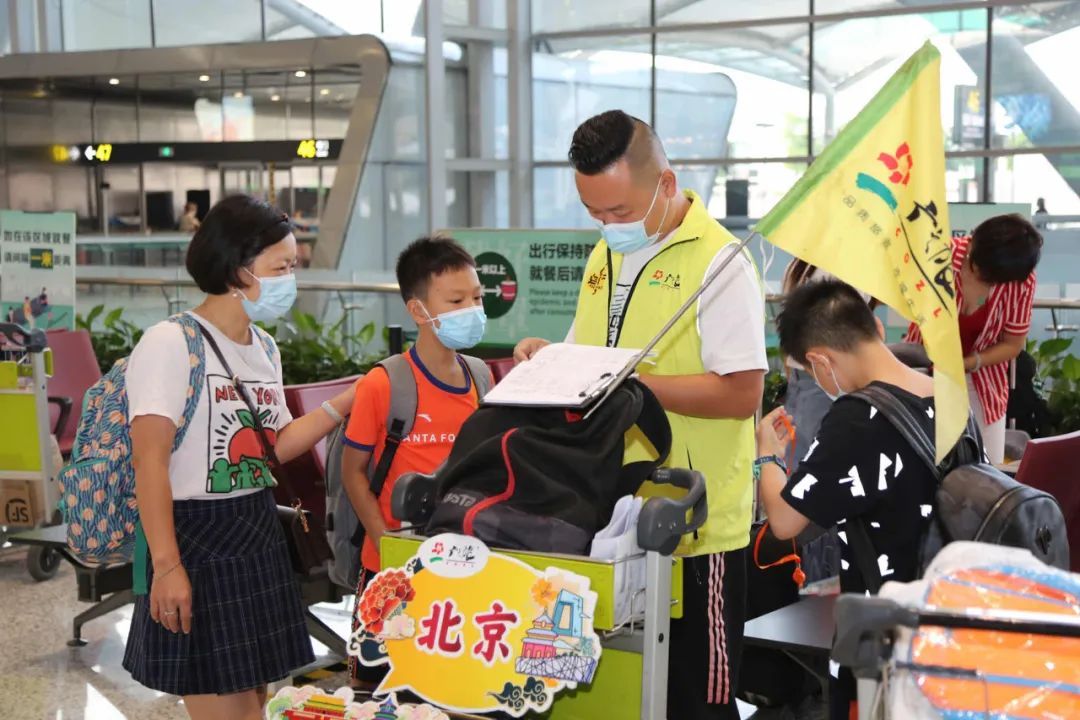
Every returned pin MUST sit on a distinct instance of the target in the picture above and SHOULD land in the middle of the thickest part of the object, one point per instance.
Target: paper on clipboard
(561, 375)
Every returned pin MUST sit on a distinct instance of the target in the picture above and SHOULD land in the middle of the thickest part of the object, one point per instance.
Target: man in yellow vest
(658, 246)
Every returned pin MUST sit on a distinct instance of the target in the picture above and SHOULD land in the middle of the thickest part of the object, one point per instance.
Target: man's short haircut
(604, 139)
(427, 258)
(828, 314)
(231, 236)
(1005, 248)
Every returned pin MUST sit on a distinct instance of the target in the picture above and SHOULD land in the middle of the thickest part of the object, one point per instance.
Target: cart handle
(864, 631)
(663, 522)
(33, 341)
(413, 498)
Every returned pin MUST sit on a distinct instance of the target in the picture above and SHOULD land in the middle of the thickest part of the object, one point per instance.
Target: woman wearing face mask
(223, 616)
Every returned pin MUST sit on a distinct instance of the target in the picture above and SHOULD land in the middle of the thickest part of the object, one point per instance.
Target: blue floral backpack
(98, 486)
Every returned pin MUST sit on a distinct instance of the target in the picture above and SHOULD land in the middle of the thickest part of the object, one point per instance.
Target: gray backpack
(343, 528)
(974, 500)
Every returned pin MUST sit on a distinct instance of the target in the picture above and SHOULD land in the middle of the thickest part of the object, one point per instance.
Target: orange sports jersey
(440, 411)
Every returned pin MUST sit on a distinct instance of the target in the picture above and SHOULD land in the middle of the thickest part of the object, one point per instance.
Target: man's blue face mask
(630, 237)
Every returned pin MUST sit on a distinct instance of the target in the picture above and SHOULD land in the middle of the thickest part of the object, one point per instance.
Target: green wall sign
(531, 279)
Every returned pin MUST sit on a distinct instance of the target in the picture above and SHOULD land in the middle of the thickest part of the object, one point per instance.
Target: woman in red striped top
(995, 288)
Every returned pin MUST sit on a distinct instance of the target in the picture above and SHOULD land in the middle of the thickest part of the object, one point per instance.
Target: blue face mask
(459, 329)
(276, 297)
(630, 237)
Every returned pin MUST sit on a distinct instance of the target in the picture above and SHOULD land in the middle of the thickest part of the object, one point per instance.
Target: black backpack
(1027, 406)
(974, 500)
(545, 479)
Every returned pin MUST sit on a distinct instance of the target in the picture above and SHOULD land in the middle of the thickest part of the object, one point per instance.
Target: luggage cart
(867, 630)
(27, 468)
(640, 646)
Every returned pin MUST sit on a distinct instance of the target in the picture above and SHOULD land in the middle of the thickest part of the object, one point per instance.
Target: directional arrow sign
(89, 152)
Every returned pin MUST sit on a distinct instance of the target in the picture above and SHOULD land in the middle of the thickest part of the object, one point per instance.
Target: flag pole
(631, 366)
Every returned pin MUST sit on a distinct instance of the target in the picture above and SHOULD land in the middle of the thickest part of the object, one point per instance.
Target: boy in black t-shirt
(858, 465)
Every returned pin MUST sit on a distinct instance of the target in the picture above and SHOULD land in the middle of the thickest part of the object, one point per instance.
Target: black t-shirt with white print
(860, 466)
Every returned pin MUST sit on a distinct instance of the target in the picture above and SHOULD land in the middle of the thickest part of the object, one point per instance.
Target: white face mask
(840, 392)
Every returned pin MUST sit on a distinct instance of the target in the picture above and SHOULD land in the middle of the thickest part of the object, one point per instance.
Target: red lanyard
(799, 577)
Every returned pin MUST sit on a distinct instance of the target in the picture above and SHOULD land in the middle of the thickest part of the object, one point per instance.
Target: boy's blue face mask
(630, 237)
(459, 329)
(276, 297)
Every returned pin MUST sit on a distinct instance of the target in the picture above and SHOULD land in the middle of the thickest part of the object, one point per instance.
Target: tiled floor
(41, 678)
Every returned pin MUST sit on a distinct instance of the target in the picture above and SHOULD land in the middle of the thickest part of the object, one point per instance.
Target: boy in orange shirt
(443, 295)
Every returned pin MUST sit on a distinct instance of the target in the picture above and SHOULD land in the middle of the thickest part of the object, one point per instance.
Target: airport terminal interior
(356, 127)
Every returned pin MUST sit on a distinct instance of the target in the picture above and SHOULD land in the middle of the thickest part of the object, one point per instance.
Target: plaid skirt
(247, 626)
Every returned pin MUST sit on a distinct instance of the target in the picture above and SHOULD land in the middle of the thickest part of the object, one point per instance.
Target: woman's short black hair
(829, 314)
(426, 258)
(1005, 248)
(231, 236)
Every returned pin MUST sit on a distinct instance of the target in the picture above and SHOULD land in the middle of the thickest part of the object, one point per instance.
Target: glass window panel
(331, 17)
(1027, 178)
(549, 16)
(399, 126)
(854, 58)
(199, 22)
(748, 90)
(501, 107)
(335, 93)
(475, 13)
(1036, 92)
(181, 107)
(43, 121)
(576, 79)
(964, 179)
(457, 113)
(741, 190)
(555, 200)
(400, 18)
(680, 12)
(405, 204)
(106, 24)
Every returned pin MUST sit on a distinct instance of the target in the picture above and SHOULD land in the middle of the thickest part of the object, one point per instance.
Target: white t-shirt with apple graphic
(221, 455)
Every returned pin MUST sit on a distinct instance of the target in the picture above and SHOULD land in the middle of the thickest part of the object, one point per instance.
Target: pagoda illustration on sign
(319, 707)
(388, 710)
(557, 645)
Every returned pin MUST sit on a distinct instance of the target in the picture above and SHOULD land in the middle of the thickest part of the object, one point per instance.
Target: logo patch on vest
(671, 281)
(597, 280)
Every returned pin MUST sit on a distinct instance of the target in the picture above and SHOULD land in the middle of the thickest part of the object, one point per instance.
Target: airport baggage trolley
(638, 648)
(29, 489)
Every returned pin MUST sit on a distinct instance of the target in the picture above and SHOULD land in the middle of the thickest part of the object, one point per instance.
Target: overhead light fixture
(324, 91)
(238, 94)
(114, 81)
(275, 98)
(300, 73)
(204, 78)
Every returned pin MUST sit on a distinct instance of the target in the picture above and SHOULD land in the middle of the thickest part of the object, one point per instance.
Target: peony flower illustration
(384, 598)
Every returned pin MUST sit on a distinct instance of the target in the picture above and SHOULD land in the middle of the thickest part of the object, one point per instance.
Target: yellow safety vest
(723, 450)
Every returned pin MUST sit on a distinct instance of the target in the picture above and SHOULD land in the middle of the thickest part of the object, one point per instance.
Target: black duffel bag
(546, 479)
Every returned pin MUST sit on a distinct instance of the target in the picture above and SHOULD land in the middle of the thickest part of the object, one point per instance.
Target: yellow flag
(872, 211)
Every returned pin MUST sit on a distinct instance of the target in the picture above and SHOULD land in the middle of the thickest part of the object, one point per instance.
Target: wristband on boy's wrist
(765, 460)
